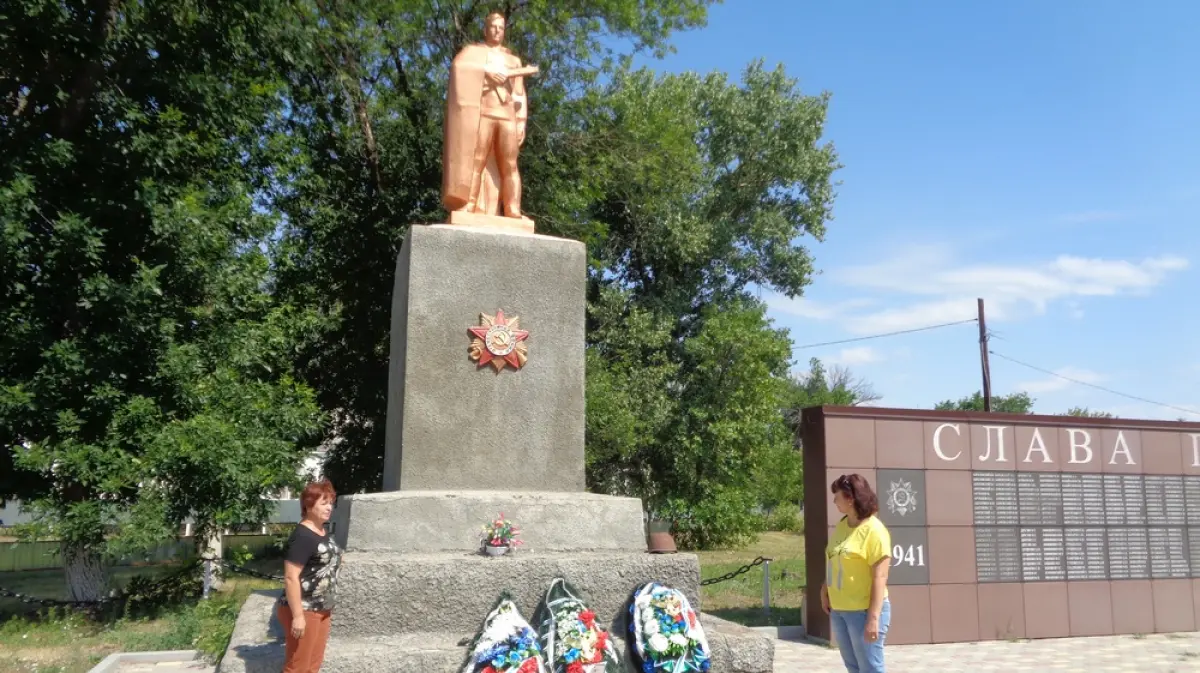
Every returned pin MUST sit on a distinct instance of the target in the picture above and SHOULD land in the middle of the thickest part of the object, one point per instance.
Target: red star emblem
(498, 342)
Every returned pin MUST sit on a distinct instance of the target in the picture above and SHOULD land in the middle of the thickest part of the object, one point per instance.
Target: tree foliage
(144, 366)
(1084, 412)
(1016, 403)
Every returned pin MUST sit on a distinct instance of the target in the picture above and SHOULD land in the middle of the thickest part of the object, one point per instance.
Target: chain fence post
(208, 577)
(767, 585)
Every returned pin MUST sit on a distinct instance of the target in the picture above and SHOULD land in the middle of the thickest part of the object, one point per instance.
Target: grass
(740, 599)
(65, 641)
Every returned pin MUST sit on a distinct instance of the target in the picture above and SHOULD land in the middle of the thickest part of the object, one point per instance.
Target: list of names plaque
(1191, 495)
(1085, 526)
(1135, 500)
(997, 555)
(995, 498)
(1072, 499)
(1086, 559)
(1114, 500)
(1093, 500)
(1165, 500)
(1193, 537)
(1043, 555)
(1168, 553)
(1040, 498)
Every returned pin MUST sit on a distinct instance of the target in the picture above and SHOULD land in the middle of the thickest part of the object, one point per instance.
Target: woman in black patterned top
(310, 570)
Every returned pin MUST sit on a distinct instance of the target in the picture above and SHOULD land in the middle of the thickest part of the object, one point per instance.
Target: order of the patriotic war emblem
(901, 497)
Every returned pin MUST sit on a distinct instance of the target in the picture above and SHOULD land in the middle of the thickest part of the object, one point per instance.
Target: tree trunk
(86, 579)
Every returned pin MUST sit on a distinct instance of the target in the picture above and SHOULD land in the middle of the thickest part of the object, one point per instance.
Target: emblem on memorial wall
(901, 497)
(498, 341)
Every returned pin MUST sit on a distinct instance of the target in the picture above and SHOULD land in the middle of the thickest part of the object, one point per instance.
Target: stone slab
(257, 647)
(435, 521)
(518, 224)
(453, 425)
(387, 594)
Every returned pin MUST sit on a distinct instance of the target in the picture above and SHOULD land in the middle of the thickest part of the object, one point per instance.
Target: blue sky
(1042, 155)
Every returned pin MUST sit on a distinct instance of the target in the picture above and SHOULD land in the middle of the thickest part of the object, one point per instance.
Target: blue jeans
(859, 655)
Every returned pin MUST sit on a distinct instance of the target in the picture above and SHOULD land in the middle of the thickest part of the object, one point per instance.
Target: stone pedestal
(466, 443)
(453, 425)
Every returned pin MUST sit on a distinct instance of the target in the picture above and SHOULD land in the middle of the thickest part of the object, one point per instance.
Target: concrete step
(257, 647)
(450, 521)
(382, 593)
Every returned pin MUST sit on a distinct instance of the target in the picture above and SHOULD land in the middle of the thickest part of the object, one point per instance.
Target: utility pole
(983, 359)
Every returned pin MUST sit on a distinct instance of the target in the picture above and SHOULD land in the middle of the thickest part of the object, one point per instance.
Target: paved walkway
(1169, 653)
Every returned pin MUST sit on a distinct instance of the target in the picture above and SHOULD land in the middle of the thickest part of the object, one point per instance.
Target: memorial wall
(1008, 526)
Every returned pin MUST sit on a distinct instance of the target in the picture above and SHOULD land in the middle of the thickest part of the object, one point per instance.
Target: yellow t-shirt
(849, 558)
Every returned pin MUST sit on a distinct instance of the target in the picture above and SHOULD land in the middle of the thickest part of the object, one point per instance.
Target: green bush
(785, 518)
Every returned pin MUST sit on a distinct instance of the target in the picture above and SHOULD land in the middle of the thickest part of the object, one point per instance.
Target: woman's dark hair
(314, 492)
(855, 487)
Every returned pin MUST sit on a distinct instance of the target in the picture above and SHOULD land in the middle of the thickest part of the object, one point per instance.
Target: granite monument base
(257, 647)
(454, 424)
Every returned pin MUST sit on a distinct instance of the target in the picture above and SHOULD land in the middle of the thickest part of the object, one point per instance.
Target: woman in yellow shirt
(857, 559)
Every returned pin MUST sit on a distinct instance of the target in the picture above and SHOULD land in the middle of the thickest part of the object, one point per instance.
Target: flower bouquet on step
(571, 638)
(665, 632)
(506, 644)
(500, 536)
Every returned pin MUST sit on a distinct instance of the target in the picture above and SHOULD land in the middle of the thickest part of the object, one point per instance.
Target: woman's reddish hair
(314, 492)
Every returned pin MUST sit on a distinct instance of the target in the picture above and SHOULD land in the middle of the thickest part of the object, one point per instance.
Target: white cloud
(1054, 383)
(1010, 290)
(802, 307)
(852, 357)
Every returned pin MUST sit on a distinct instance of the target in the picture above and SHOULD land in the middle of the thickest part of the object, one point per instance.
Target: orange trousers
(305, 654)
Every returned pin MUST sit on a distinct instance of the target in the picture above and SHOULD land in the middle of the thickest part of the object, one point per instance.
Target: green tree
(1016, 403)
(780, 477)
(688, 190)
(144, 367)
(1084, 412)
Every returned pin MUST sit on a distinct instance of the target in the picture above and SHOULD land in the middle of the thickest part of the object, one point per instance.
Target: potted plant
(500, 536)
(660, 540)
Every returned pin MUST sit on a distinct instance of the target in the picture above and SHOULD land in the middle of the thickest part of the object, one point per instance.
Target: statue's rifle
(523, 71)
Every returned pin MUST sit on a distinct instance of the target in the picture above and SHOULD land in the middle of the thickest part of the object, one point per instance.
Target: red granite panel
(993, 447)
(1037, 449)
(1047, 610)
(850, 443)
(948, 498)
(1121, 451)
(1160, 452)
(953, 441)
(1174, 607)
(1001, 611)
(951, 555)
(1091, 608)
(1133, 607)
(910, 615)
(900, 444)
(954, 613)
(1196, 600)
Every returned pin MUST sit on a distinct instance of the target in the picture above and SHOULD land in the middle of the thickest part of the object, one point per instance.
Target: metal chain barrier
(740, 571)
(241, 570)
(57, 602)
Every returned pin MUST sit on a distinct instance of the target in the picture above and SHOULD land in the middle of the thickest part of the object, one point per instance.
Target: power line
(886, 334)
(1093, 385)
